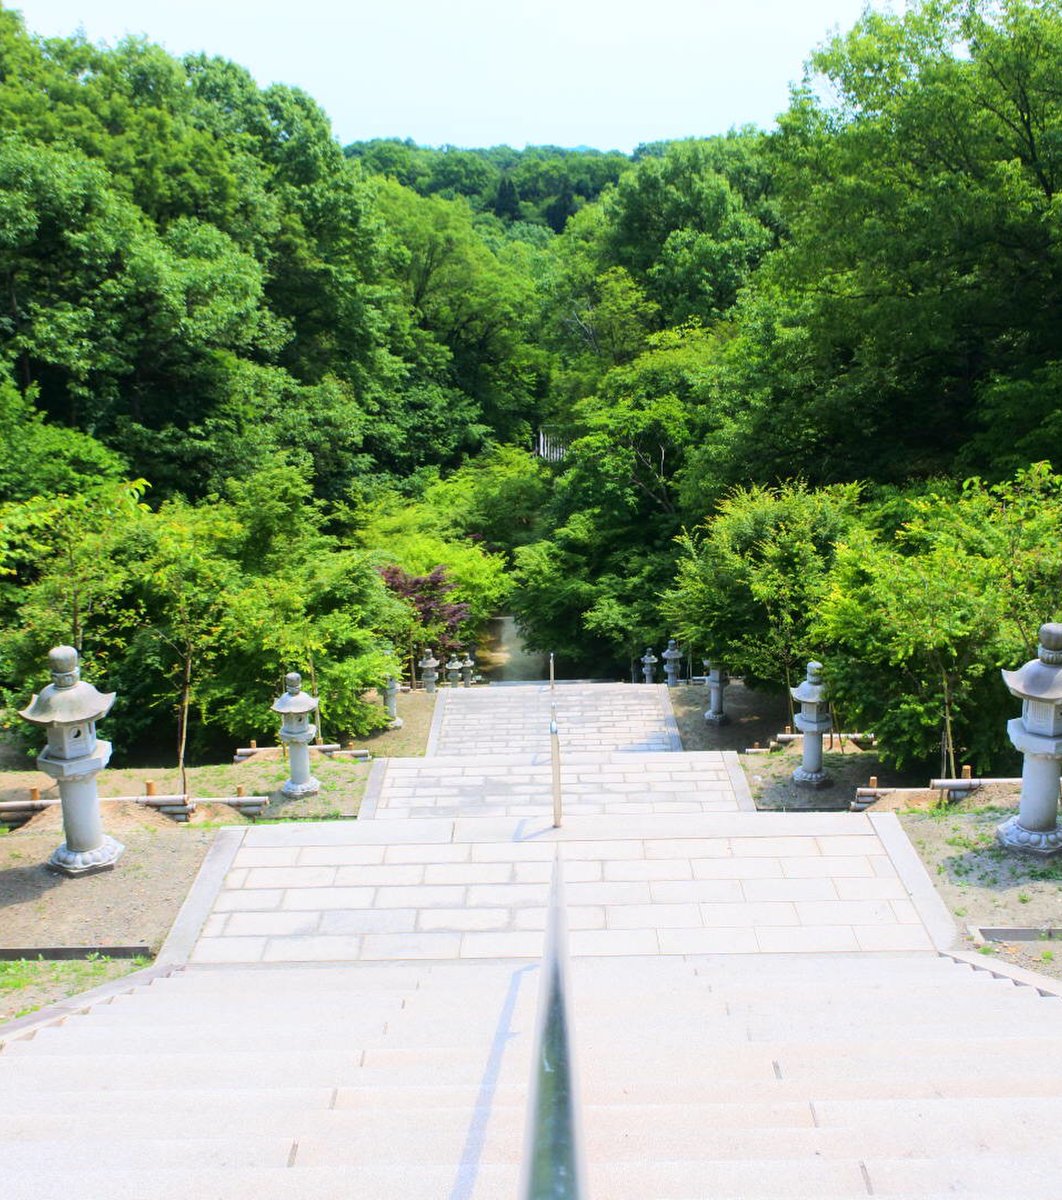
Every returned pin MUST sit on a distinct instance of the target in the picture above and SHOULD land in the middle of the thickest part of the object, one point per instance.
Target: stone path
(345, 1008)
(594, 718)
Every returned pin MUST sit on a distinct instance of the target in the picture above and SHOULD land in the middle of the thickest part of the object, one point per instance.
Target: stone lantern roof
(294, 701)
(812, 690)
(67, 700)
(1041, 678)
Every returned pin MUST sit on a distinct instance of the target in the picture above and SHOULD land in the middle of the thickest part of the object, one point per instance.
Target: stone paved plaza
(763, 1008)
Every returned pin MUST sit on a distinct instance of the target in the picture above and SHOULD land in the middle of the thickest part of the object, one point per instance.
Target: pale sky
(604, 73)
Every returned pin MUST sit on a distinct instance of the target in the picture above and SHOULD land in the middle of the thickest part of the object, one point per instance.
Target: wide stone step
(162, 1070)
(325, 1139)
(636, 1133)
(226, 1151)
(761, 1086)
(241, 1015)
(897, 1178)
(133, 1040)
(406, 1181)
(231, 1104)
(663, 1132)
(317, 978)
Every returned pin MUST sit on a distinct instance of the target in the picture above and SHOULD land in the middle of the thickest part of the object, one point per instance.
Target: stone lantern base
(103, 857)
(811, 779)
(1044, 843)
(716, 718)
(307, 787)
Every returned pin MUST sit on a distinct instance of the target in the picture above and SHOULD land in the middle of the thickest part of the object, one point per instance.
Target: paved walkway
(345, 1008)
(662, 852)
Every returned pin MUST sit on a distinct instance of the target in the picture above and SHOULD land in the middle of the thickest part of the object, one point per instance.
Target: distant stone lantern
(1037, 733)
(297, 732)
(672, 657)
(717, 679)
(813, 721)
(429, 671)
(453, 671)
(391, 703)
(649, 661)
(467, 667)
(68, 710)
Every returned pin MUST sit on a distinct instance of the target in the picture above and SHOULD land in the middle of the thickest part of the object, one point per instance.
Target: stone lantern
(717, 679)
(813, 721)
(467, 667)
(649, 661)
(297, 732)
(453, 670)
(672, 657)
(391, 702)
(1037, 733)
(68, 710)
(429, 671)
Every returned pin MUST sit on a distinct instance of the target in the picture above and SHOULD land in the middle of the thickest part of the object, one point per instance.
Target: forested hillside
(268, 403)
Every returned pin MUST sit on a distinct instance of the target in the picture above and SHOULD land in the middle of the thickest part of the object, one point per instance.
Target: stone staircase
(345, 1009)
(756, 1076)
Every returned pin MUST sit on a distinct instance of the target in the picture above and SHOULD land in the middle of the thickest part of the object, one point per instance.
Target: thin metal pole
(554, 752)
(552, 680)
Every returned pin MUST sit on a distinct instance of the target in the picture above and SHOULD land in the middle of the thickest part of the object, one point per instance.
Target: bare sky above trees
(604, 73)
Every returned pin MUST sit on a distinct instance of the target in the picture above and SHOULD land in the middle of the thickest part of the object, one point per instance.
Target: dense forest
(270, 403)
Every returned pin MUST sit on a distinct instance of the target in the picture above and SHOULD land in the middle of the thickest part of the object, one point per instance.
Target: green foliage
(681, 228)
(417, 537)
(919, 624)
(194, 613)
(544, 185)
(748, 579)
(38, 457)
(328, 362)
(897, 330)
(497, 500)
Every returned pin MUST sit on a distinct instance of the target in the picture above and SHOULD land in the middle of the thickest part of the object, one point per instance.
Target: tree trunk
(949, 744)
(182, 722)
(319, 738)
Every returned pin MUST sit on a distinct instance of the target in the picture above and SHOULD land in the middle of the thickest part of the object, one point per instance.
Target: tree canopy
(284, 395)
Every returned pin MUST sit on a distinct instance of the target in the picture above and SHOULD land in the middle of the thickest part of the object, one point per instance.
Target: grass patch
(29, 984)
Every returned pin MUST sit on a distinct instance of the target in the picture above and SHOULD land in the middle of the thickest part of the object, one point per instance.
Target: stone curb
(1004, 970)
(435, 733)
(738, 781)
(374, 788)
(915, 878)
(198, 904)
(670, 724)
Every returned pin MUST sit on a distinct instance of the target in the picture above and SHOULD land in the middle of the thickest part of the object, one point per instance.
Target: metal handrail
(553, 1158)
(554, 754)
